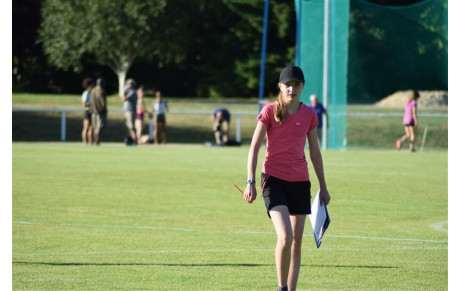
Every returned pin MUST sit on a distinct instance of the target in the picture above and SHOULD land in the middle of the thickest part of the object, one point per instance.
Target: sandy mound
(428, 99)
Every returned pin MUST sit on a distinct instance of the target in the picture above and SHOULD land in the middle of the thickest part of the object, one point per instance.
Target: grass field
(168, 218)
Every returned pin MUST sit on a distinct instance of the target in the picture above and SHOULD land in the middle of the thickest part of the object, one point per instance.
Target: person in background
(129, 99)
(410, 122)
(159, 110)
(220, 119)
(87, 132)
(140, 110)
(287, 124)
(320, 110)
(98, 108)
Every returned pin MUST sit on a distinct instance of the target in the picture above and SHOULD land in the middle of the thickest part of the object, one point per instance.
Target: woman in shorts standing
(140, 110)
(159, 108)
(287, 124)
(87, 132)
(410, 122)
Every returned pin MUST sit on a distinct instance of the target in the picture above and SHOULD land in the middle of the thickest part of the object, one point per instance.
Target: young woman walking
(410, 122)
(287, 124)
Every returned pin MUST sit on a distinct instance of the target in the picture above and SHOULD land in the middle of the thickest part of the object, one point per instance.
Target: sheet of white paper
(318, 219)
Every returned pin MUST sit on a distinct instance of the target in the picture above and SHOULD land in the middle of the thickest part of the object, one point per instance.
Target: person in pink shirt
(285, 182)
(410, 122)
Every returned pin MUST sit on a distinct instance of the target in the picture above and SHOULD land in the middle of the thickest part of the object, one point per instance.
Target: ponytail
(280, 109)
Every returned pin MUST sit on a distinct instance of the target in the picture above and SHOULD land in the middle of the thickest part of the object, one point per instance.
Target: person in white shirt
(160, 107)
(87, 132)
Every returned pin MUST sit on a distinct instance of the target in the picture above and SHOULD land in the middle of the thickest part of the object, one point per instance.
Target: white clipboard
(319, 219)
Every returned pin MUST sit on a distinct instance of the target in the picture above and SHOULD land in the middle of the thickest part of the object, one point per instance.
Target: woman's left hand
(324, 196)
(250, 193)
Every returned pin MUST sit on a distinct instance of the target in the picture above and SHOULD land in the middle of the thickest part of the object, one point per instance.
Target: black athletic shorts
(161, 118)
(295, 195)
(87, 115)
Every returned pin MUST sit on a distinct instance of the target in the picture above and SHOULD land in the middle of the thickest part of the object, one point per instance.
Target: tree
(110, 32)
(30, 72)
(247, 30)
(197, 48)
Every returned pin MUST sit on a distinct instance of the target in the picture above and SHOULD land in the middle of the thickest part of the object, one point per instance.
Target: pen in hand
(238, 188)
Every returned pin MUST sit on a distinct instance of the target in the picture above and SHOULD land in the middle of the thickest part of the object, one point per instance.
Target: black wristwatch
(250, 181)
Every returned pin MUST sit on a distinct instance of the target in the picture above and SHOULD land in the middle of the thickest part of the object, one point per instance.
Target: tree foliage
(112, 32)
(213, 48)
(216, 41)
(248, 31)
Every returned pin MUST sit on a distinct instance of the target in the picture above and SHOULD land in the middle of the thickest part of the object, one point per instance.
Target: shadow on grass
(197, 265)
(145, 264)
(353, 267)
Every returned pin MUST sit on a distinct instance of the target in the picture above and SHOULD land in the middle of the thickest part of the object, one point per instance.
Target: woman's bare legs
(87, 132)
(163, 133)
(298, 224)
(289, 229)
(138, 125)
(407, 135)
(282, 224)
(411, 137)
(410, 134)
(155, 133)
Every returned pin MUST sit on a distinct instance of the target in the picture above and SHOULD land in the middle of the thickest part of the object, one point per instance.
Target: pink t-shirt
(408, 118)
(285, 156)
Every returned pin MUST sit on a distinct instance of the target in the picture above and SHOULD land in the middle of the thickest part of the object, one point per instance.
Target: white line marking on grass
(204, 251)
(387, 248)
(439, 226)
(391, 239)
(105, 226)
(361, 237)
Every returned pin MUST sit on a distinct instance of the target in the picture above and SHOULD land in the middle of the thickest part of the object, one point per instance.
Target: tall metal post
(297, 37)
(325, 69)
(238, 128)
(262, 61)
(63, 125)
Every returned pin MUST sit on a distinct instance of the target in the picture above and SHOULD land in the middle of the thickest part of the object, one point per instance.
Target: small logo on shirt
(297, 123)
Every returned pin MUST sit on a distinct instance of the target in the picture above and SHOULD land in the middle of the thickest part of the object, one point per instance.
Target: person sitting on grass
(220, 119)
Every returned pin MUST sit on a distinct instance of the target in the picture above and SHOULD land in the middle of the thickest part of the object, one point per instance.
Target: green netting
(310, 47)
(384, 45)
(394, 48)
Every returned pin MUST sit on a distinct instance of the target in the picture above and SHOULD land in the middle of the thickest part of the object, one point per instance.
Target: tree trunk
(121, 72)
(121, 81)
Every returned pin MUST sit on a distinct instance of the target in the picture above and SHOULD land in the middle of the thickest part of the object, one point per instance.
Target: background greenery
(105, 218)
(214, 48)
(396, 47)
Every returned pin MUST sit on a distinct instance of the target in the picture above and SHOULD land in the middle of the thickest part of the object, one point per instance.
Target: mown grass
(382, 132)
(155, 218)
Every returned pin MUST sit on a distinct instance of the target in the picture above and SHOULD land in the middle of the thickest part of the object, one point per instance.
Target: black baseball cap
(291, 73)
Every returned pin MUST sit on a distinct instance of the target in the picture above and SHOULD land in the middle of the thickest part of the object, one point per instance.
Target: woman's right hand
(250, 193)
